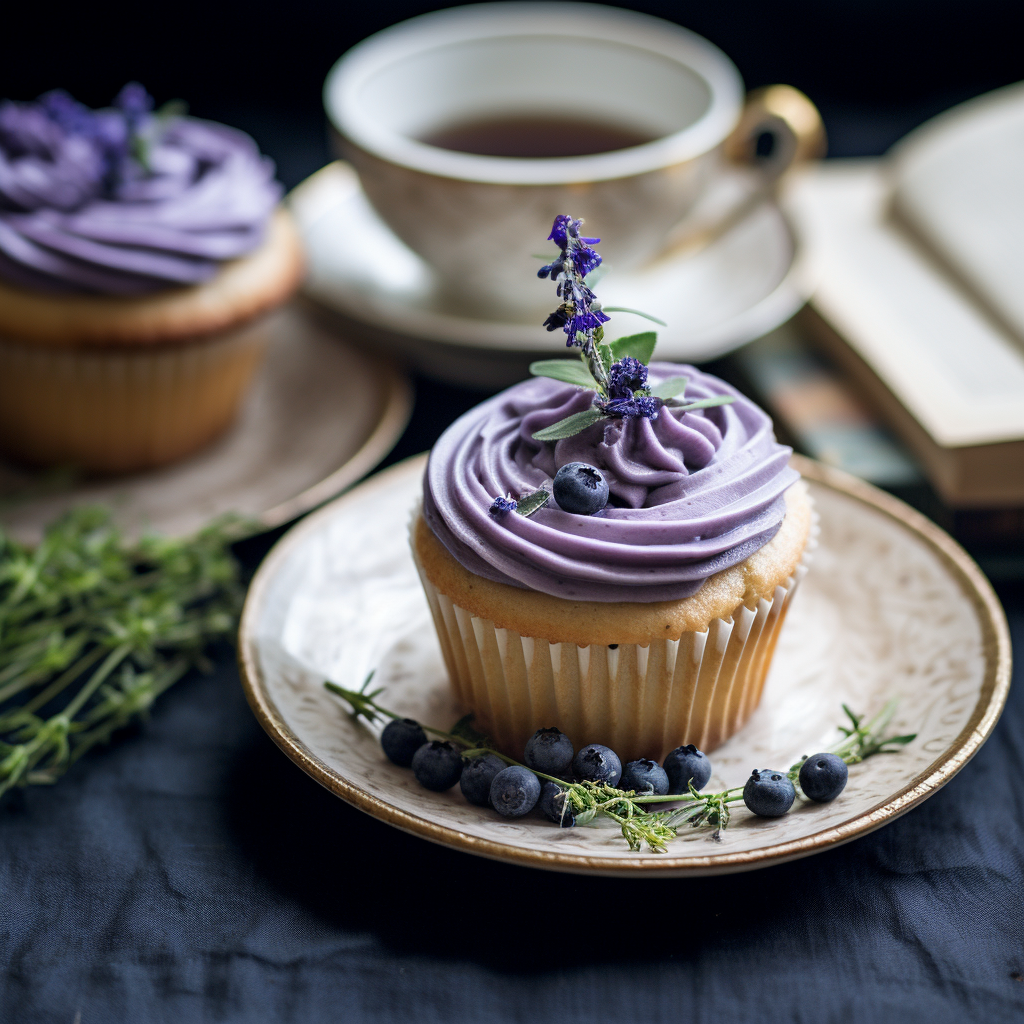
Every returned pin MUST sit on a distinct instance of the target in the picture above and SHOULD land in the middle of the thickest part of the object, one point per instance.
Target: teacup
(479, 220)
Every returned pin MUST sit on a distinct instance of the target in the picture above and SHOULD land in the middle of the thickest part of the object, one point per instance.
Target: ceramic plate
(320, 415)
(891, 607)
(737, 288)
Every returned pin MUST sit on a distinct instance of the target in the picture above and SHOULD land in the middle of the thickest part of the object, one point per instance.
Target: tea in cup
(472, 128)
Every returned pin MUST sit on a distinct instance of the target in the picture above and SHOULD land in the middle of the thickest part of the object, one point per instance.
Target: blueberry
(437, 765)
(553, 805)
(823, 777)
(768, 794)
(477, 775)
(401, 738)
(515, 791)
(684, 765)
(580, 488)
(644, 777)
(549, 751)
(596, 763)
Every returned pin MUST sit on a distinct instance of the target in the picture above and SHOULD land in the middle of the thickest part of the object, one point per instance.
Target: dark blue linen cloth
(191, 873)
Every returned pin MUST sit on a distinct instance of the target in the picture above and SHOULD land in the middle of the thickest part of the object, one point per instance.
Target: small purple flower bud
(626, 376)
(134, 102)
(502, 506)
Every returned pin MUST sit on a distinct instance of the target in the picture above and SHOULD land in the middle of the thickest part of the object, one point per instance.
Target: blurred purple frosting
(691, 493)
(124, 201)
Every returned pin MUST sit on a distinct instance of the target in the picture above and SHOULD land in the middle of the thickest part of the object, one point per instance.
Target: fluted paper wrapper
(640, 700)
(122, 409)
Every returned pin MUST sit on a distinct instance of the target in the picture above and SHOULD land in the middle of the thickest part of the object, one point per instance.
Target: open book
(939, 365)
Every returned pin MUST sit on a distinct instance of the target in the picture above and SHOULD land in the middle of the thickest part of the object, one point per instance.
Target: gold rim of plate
(994, 689)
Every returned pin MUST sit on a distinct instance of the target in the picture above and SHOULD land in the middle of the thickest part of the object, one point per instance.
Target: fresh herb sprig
(615, 371)
(93, 629)
(640, 825)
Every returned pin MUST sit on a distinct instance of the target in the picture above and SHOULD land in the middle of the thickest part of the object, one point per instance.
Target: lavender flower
(579, 315)
(502, 506)
(134, 102)
(627, 375)
(631, 406)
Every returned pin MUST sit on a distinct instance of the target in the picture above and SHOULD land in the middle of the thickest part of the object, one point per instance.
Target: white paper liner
(640, 700)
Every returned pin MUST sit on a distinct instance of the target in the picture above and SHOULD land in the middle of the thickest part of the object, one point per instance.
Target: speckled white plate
(891, 607)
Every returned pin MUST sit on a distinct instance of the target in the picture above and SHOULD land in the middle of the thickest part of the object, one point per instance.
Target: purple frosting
(691, 493)
(123, 201)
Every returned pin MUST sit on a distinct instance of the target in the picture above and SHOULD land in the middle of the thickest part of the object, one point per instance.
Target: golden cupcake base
(120, 410)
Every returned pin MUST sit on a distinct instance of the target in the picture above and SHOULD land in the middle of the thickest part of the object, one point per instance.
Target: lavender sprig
(616, 372)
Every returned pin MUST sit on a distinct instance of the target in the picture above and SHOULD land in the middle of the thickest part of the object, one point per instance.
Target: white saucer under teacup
(742, 285)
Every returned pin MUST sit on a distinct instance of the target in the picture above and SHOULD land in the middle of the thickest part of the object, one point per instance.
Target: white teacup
(478, 220)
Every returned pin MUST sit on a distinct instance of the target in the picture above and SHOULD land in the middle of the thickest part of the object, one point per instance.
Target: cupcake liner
(640, 700)
(119, 409)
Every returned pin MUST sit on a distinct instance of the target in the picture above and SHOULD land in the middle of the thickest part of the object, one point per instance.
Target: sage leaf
(670, 388)
(570, 426)
(639, 346)
(570, 371)
(637, 312)
(705, 403)
(532, 502)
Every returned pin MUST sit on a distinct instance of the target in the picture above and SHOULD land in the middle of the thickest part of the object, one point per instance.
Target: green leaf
(571, 371)
(529, 504)
(639, 346)
(670, 388)
(900, 739)
(570, 426)
(705, 403)
(637, 312)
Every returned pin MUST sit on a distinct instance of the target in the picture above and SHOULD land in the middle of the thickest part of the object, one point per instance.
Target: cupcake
(140, 252)
(610, 548)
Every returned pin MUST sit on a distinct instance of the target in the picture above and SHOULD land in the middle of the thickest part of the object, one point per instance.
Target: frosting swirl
(691, 493)
(123, 201)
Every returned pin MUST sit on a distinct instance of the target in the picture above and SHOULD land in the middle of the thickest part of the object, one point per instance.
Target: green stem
(44, 698)
(116, 656)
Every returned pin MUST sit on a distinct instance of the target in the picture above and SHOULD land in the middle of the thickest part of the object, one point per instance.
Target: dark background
(875, 67)
(191, 873)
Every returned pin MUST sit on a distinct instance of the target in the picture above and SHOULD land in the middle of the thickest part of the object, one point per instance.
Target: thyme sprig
(640, 825)
(110, 623)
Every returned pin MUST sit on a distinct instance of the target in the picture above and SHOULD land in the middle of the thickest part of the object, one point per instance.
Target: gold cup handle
(786, 117)
(793, 124)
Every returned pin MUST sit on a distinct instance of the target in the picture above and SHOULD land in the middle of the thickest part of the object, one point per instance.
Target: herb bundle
(93, 629)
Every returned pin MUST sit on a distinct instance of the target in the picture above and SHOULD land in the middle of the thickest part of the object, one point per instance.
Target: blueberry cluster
(770, 794)
(513, 790)
(552, 763)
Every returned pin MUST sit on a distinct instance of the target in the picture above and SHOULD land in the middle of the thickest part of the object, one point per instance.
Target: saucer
(737, 288)
(891, 607)
(320, 415)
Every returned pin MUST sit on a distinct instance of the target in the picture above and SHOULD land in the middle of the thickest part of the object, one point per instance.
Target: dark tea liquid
(535, 136)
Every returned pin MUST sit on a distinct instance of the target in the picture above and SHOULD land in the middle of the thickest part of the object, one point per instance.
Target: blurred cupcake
(610, 548)
(139, 254)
